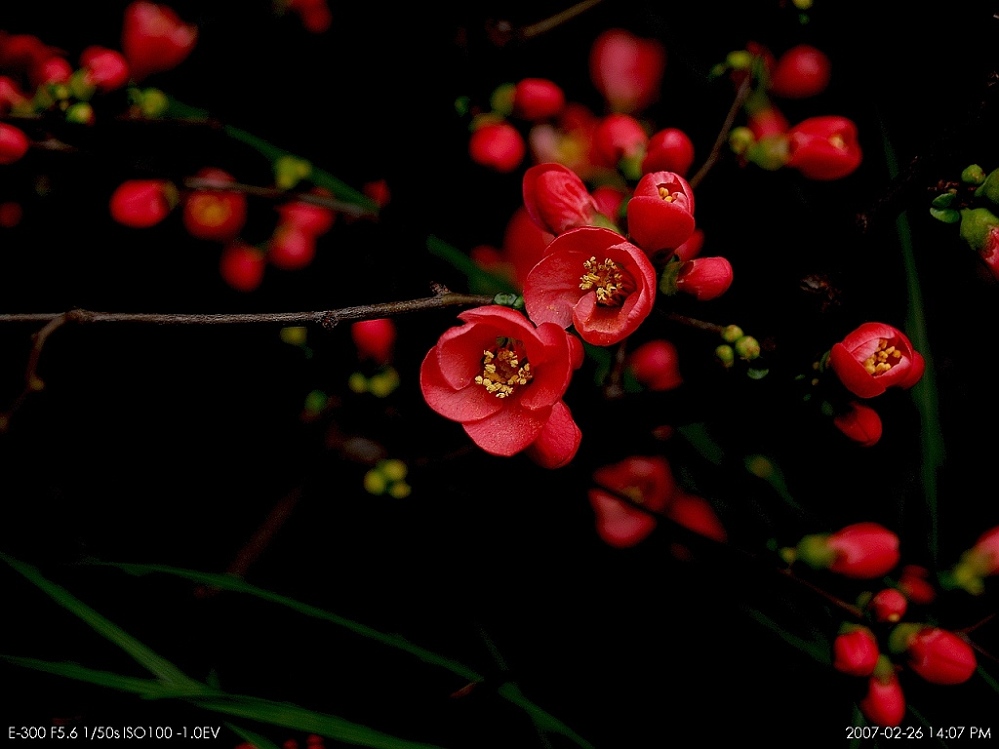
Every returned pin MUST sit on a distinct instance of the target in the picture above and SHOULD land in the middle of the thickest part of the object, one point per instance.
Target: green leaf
(943, 200)
(947, 215)
(147, 658)
(482, 281)
(148, 688)
(545, 721)
(757, 374)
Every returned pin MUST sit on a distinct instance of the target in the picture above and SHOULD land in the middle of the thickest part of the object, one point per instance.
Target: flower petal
(459, 404)
(509, 430)
(558, 442)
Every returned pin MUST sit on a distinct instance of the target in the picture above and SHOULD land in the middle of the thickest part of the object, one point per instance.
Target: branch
(741, 94)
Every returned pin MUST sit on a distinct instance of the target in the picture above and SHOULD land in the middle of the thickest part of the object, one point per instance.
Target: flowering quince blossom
(627, 70)
(647, 481)
(503, 380)
(860, 423)
(594, 280)
(824, 148)
(705, 277)
(557, 199)
(875, 357)
(154, 38)
(937, 655)
(855, 651)
(884, 703)
(661, 212)
(862, 550)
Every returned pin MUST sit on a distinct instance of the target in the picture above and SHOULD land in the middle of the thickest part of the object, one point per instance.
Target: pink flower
(824, 148)
(855, 652)
(861, 424)
(661, 212)
(884, 703)
(557, 199)
(498, 146)
(801, 72)
(655, 365)
(875, 357)
(503, 380)
(537, 99)
(940, 656)
(861, 550)
(647, 481)
(154, 39)
(669, 150)
(594, 280)
(705, 277)
(627, 70)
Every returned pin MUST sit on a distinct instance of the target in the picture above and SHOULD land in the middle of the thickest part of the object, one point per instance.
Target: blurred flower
(824, 148)
(884, 703)
(887, 605)
(557, 199)
(154, 39)
(860, 423)
(669, 150)
(646, 481)
(800, 72)
(937, 655)
(141, 203)
(498, 146)
(214, 214)
(855, 651)
(627, 70)
(374, 339)
(655, 365)
(537, 99)
(862, 550)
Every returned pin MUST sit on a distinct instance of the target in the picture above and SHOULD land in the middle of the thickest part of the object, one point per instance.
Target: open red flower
(824, 148)
(595, 280)
(557, 199)
(661, 212)
(647, 481)
(627, 70)
(875, 357)
(503, 380)
(154, 38)
(214, 214)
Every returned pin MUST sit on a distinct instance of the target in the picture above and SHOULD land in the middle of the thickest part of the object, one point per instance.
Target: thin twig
(556, 20)
(741, 94)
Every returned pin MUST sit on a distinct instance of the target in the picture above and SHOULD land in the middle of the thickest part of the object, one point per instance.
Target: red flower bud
(661, 212)
(888, 605)
(52, 70)
(940, 657)
(107, 69)
(503, 380)
(985, 553)
(855, 652)
(13, 143)
(824, 148)
(10, 94)
(669, 150)
(863, 550)
(374, 339)
(800, 72)
(691, 248)
(914, 583)
(595, 280)
(291, 247)
(647, 481)
(498, 146)
(875, 357)
(696, 514)
(242, 266)
(141, 203)
(154, 39)
(627, 70)
(861, 424)
(655, 365)
(309, 218)
(619, 137)
(557, 199)
(537, 99)
(609, 200)
(214, 214)
(705, 277)
(767, 122)
(884, 703)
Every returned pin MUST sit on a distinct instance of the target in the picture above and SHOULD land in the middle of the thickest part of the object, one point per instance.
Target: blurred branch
(741, 94)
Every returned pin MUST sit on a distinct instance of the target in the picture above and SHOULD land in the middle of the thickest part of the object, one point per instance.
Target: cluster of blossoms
(889, 640)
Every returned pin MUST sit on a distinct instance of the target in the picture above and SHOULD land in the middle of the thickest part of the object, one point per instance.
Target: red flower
(647, 481)
(595, 280)
(655, 365)
(557, 199)
(824, 148)
(914, 583)
(537, 99)
(242, 266)
(696, 514)
(705, 277)
(884, 703)
(503, 380)
(985, 553)
(940, 657)
(141, 203)
(888, 605)
(669, 150)
(217, 215)
(661, 212)
(498, 146)
(863, 550)
(855, 652)
(374, 339)
(620, 137)
(107, 69)
(861, 424)
(875, 357)
(801, 72)
(154, 39)
(627, 70)
(13, 143)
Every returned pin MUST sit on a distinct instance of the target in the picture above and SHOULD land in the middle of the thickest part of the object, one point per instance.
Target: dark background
(172, 445)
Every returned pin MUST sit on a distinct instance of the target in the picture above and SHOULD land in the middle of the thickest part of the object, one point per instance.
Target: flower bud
(862, 550)
(824, 148)
(557, 199)
(800, 72)
(655, 365)
(154, 39)
(855, 651)
(537, 99)
(860, 423)
(705, 277)
(669, 150)
(915, 584)
(141, 203)
(627, 70)
(731, 333)
(217, 215)
(973, 175)
(747, 348)
(726, 355)
(977, 563)
(498, 146)
(887, 605)
(884, 703)
(937, 655)
(374, 339)
(977, 226)
(989, 188)
(661, 212)
(242, 266)
(13, 143)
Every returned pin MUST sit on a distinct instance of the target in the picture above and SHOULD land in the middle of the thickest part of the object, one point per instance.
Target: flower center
(666, 195)
(883, 359)
(504, 369)
(606, 279)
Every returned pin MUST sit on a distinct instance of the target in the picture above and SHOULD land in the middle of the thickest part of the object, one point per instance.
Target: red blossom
(503, 380)
(824, 148)
(884, 703)
(537, 99)
(13, 143)
(696, 514)
(705, 278)
(216, 215)
(669, 150)
(242, 266)
(800, 72)
(107, 69)
(661, 212)
(875, 357)
(940, 656)
(557, 199)
(374, 339)
(291, 247)
(619, 137)
(860, 423)
(863, 550)
(985, 553)
(141, 203)
(498, 146)
(855, 652)
(655, 365)
(594, 280)
(888, 605)
(627, 70)
(647, 481)
(915, 584)
(154, 38)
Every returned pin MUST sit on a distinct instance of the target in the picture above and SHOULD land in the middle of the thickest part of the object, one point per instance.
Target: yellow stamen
(883, 359)
(608, 282)
(502, 370)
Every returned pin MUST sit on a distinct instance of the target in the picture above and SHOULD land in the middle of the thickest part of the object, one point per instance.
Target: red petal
(462, 404)
(618, 523)
(509, 430)
(558, 442)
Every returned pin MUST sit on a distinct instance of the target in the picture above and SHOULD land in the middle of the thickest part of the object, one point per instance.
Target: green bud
(358, 383)
(990, 187)
(80, 113)
(898, 639)
(976, 225)
(153, 103)
(725, 355)
(384, 383)
(374, 482)
(740, 139)
(294, 335)
(739, 59)
(747, 348)
(393, 469)
(315, 401)
(80, 86)
(973, 175)
(814, 551)
(731, 333)
(289, 171)
(769, 152)
(502, 99)
(506, 300)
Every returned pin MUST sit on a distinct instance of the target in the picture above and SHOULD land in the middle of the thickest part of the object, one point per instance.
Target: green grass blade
(144, 656)
(542, 719)
(148, 688)
(816, 649)
(483, 280)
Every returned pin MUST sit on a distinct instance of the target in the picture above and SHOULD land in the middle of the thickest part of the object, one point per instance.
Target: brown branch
(541, 27)
(741, 94)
